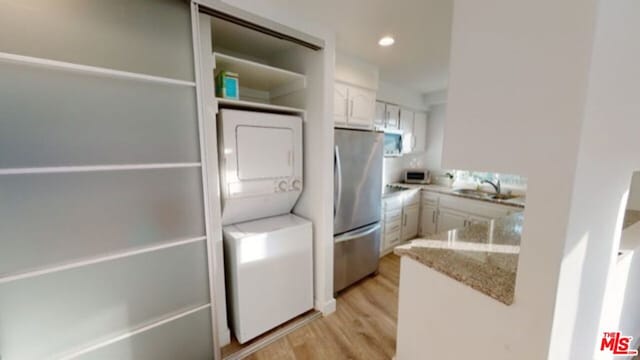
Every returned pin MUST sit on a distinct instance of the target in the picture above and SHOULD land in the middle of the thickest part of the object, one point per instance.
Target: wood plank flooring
(363, 326)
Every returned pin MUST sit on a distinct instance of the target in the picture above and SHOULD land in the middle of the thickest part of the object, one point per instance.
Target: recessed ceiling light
(386, 41)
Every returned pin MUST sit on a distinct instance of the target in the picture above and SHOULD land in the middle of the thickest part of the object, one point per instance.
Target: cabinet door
(393, 116)
(478, 220)
(362, 104)
(406, 125)
(340, 103)
(420, 132)
(449, 220)
(380, 116)
(411, 197)
(429, 219)
(410, 221)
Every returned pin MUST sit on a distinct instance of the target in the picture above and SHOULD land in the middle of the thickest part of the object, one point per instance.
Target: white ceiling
(422, 29)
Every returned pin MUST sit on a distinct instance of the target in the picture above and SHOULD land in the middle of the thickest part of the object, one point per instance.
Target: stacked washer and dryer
(267, 250)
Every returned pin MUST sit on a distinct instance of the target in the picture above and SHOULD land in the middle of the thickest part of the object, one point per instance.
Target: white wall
(397, 94)
(515, 100)
(445, 319)
(438, 97)
(392, 168)
(634, 193)
(355, 71)
(621, 309)
(609, 154)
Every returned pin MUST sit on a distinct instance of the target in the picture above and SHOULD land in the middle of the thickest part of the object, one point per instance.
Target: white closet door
(264, 152)
(102, 222)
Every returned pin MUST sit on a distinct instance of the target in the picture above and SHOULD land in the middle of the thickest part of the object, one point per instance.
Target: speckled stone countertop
(630, 217)
(483, 256)
(516, 202)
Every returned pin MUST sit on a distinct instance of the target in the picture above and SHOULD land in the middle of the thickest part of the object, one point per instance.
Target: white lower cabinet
(445, 212)
(450, 219)
(410, 222)
(401, 219)
(428, 219)
(414, 213)
(473, 219)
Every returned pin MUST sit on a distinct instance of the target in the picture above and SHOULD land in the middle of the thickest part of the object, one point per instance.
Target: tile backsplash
(392, 169)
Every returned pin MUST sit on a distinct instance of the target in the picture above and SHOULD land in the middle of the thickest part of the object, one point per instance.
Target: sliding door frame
(206, 114)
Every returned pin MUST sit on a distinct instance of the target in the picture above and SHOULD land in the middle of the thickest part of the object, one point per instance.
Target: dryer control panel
(287, 184)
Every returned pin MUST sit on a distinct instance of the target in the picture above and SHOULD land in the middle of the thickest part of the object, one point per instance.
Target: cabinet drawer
(391, 227)
(392, 216)
(391, 239)
(392, 203)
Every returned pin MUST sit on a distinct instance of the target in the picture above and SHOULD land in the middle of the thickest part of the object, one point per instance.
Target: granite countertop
(515, 202)
(630, 217)
(483, 256)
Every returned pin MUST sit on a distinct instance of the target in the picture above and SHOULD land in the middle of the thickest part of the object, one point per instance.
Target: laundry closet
(262, 87)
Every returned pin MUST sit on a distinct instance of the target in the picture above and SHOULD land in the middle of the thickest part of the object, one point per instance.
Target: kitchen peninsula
(457, 288)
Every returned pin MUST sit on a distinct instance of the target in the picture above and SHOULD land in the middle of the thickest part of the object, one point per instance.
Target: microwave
(417, 176)
(392, 143)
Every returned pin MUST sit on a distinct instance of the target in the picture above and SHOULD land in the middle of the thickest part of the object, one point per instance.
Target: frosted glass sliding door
(70, 118)
(56, 219)
(185, 338)
(54, 313)
(142, 36)
(104, 250)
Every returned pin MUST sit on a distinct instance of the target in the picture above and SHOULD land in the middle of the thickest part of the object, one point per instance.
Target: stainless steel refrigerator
(357, 200)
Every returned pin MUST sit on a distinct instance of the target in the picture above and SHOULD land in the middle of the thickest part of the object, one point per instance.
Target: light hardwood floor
(363, 326)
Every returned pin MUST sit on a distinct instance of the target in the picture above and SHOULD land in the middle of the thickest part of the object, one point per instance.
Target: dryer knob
(296, 185)
(282, 185)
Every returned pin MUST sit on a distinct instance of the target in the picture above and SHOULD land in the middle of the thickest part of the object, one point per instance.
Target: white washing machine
(269, 271)
(260, 164)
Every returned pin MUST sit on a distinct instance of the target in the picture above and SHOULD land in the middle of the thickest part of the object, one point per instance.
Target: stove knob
(296, 185)
(282, 185)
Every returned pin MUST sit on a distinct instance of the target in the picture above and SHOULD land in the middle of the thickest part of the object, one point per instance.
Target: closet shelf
(251, 105)
(254, 75)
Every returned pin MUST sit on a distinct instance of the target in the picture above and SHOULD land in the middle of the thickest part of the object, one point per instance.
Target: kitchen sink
(474, 193)
(483, 195)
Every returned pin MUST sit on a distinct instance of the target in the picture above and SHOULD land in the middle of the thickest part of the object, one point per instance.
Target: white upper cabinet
(353, 106)
(414, 128)
(392, 116)
(340, 103)
(362, 107)
(406, 125)
(420, 131)
(380, 115)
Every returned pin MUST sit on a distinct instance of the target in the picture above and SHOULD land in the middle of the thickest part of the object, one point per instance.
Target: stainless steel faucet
(495, 185)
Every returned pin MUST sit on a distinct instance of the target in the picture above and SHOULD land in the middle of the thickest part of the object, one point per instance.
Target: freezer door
(357, 179)
(356, 255)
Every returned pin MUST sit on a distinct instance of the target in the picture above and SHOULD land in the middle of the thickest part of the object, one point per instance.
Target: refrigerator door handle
(358, 233)
(337, 192)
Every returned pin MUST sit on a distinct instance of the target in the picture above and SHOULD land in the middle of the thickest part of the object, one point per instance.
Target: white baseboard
(326, 308)
(224, 337)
